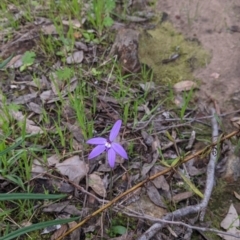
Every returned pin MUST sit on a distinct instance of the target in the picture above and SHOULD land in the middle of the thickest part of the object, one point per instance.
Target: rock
(126, 48)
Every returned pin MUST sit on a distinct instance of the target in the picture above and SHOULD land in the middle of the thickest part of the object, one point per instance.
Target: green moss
(164, 41)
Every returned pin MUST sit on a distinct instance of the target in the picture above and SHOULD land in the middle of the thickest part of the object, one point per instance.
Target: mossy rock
(162, 42)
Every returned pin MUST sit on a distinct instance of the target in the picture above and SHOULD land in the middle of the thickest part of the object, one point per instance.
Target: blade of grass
(34, 196)
(5, 62)
(35, 227)
(13, 146)
(191, 185)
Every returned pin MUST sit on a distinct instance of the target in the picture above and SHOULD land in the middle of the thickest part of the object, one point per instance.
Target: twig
(180, 213)
(190, 120)
(132, 213)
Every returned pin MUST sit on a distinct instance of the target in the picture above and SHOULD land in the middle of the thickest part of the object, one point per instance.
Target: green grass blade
(16, 144)
(10, 148)
(5, 62)
(33, 196)
(191, 185)
(35, 227)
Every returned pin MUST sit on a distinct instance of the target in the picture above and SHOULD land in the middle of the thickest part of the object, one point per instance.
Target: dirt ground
(216, 25)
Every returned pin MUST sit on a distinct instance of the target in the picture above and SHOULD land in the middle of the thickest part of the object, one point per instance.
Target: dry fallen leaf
(51, 229)
(30, 125)
(15, 62)
(231, 224)
(74, 22)
(76, 57)
(61, 207)
(59, 232)
(184, 86)
(155, 196)
(236, 195)
(49, 29)
(147, 86)
(181, 196)
(144, 204)
(159, 182)
(97, 184)
(38, 167)
(236, 122)
(74, 168)
(75, 235)
(35, 108)
(25, 98)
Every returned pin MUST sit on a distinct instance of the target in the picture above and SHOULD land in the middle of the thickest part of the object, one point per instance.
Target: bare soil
(216, 25)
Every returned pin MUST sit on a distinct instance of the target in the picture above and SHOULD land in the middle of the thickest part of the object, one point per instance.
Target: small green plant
(99, 15)
(115, 231)
(186, 100)
(27, 59)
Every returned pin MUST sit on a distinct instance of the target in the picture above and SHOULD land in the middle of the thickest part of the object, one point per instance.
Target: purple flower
(108, 145)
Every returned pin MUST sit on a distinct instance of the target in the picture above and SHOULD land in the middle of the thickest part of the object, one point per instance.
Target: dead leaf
(26, 223)
(184, 86)
(148, 139)
(59, 232)
(35, 108)
(75, 235)
(76, 131)
(25, 98)
(97, 184)
(147, 86)
(159, 182)
(178, 100)
(81, 46)
(47, 95)
(181, 196)
(191, 140)
(30, 125)
(15, 62)
(38, 167)
(231, 224)
(236, 122)
(74, 168)
(49, 29)
(236, 195)
(62, 207)
(51, 229)
(155, 196)
(145, 205)
(192, 170)
(76, 57)
(74, 22)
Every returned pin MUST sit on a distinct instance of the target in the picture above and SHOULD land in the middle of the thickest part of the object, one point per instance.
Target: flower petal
(97, 140)
(120, 150)
(96, 151)
(111, 157)
(115, 130)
